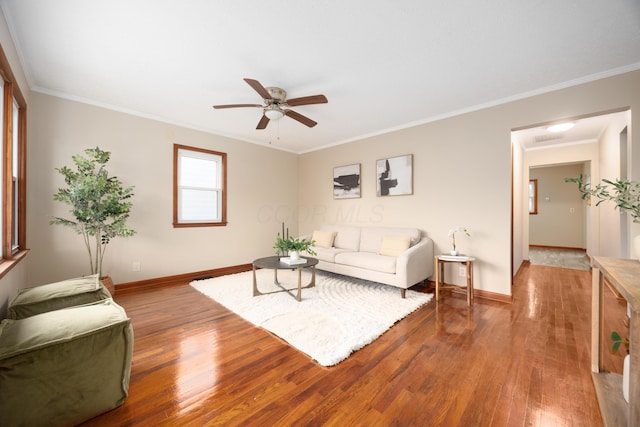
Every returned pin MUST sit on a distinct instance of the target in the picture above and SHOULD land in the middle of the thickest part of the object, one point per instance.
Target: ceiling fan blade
(258, 88)
(299, 117)
(306, 100)
(236, 106)
(264, 121)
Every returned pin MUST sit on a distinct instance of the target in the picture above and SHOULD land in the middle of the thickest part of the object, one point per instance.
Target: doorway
(599, 143)
(559, 220)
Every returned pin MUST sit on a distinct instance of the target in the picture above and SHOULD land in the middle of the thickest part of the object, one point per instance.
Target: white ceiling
(383, 65)
(586, 130)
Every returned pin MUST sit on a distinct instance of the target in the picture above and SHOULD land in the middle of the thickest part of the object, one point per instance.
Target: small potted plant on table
(293, 246)
(452, 234)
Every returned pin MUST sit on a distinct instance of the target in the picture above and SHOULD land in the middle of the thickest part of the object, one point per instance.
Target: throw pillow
(394, 245)
(324, 239)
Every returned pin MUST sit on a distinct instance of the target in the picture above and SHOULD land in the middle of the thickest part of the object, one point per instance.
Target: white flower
(452, 234)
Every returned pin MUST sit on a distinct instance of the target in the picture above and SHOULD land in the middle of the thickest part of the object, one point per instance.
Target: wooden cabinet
(624, 275)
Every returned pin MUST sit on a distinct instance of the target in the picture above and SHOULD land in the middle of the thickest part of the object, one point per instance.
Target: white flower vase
(454, 252)
(636, 246)
(294, 255)
(625, 378)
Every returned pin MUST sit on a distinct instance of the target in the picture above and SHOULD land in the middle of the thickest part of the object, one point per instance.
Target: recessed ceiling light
(561, 127)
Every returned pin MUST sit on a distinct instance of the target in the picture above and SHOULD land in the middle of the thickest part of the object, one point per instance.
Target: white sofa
(400, 257)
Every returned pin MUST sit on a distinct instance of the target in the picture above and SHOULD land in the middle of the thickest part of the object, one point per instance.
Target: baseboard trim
(477, 293)
(493, 296)
(563, 248)
(122, 288)
(524, 265)
(180, 278)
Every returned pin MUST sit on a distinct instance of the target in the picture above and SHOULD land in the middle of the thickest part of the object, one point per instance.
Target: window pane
(198, 205)
(533, 196)
(1, 163)
(14, 198)
(198, 173)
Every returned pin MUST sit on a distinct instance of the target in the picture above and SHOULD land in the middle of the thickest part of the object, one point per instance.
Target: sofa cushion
(64, 366)
(323, 238)
(347, 237)
(368, 261)
(327, 254)
(371, 237)
(394, 245)
(54, 296)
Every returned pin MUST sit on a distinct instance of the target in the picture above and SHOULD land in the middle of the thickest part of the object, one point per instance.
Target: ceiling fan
(276, 105)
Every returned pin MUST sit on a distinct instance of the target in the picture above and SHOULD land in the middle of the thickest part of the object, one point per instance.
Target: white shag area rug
(338, 316)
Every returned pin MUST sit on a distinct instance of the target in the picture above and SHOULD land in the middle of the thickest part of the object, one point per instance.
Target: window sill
(7, 264)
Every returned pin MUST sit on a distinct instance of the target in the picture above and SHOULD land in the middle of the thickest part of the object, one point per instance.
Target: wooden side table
(441, 260)
(624, 275)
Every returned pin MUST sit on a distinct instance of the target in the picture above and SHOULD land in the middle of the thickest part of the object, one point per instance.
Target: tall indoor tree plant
(100, 204)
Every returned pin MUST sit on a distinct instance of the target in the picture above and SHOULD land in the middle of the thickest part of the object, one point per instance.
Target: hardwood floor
(527, 363)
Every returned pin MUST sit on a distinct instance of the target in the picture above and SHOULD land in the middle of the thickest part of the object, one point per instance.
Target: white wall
(520, 207)
(262, 192)
(12, 55)
(462, 173)
(451, 188)
(560, 218)
(609, 222)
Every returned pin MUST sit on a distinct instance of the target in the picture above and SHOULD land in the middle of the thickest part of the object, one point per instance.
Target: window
(14, 177)
(1, 163)
(199, 190)
(13, 122)
(533, 196)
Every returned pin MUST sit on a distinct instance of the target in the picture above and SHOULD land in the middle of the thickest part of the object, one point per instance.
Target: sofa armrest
(416, 263)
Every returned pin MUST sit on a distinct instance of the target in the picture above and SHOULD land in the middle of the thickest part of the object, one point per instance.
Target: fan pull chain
(277, 132)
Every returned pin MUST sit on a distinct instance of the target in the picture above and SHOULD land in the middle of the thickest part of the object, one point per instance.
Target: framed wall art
(346, 181)
(394, 176)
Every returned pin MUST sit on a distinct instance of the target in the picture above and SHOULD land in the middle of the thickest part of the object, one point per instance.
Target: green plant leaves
(294, 244)
(99, 203)
(624, 193)
(617, 340)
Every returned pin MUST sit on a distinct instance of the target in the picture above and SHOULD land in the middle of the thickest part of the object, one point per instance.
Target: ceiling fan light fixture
(273, 112)
(561, 127)
(276, 105)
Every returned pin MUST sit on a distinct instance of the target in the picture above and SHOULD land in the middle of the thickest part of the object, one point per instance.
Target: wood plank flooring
(527, 363)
